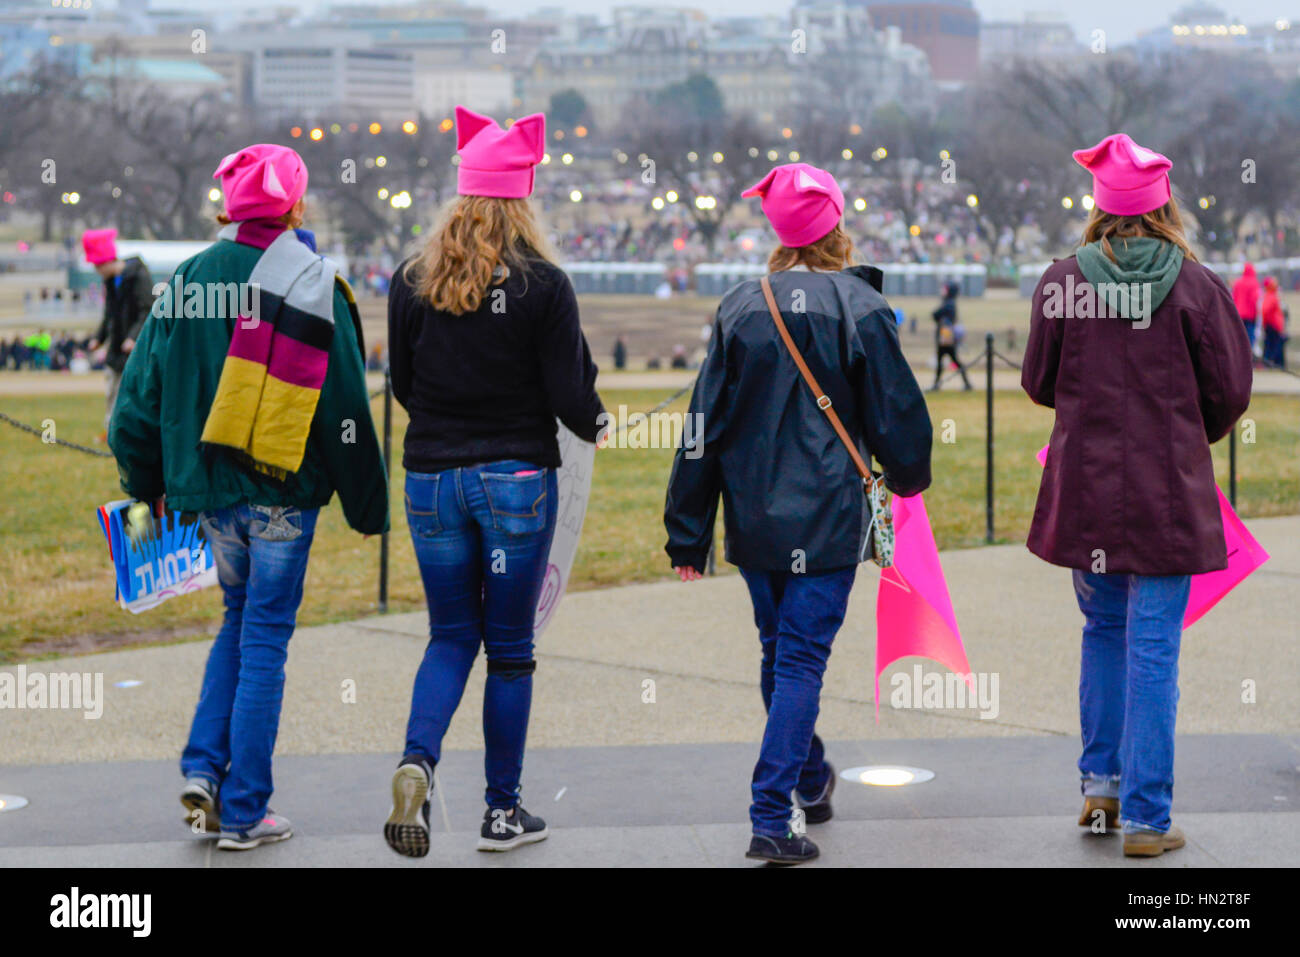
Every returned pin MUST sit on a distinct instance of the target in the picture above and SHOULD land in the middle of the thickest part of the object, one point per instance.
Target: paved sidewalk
(647, 714)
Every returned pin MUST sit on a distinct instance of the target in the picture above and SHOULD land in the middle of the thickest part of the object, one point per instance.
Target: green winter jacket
(168, 385)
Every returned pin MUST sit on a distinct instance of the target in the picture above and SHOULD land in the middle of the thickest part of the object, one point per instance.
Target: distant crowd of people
(42, 351)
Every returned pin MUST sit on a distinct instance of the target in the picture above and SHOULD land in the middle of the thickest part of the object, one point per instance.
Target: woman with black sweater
(486, 352)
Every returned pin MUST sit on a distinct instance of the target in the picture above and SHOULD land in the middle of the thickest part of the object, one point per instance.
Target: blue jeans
(261, 558)
(1128, 690)
(482, 536)
(797, 617)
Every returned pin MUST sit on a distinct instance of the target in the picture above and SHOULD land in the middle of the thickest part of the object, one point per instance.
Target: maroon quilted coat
(1129, 470)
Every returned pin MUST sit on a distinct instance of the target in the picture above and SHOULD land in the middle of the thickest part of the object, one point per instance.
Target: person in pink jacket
(1274, 323)
(1245, 295)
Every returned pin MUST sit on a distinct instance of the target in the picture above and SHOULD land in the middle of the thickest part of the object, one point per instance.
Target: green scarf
(1146, 266)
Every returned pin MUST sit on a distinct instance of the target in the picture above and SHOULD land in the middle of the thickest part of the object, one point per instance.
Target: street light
(575, 196)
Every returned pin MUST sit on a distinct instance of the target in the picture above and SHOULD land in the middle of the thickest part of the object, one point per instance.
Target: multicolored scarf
(276, 364)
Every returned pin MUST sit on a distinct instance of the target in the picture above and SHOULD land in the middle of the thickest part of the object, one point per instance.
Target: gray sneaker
(199, 799)
(274, 827)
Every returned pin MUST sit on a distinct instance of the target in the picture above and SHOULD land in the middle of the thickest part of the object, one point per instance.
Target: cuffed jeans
(797, 616)
(261, 557)
(1128, 690)
(482, 537)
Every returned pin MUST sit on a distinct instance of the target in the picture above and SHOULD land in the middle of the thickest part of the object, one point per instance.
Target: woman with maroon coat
(1140, 351)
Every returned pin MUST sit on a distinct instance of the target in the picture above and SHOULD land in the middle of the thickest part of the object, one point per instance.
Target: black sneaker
(818, 810)
(407, 827)
(791, 849)
(200, 800)
(503, 830)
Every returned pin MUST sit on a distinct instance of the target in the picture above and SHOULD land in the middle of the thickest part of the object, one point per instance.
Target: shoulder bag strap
(823, 400)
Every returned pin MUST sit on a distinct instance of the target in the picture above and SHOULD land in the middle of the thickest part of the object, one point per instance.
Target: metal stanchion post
(988, 438)
(1232, 466)
(388, 471)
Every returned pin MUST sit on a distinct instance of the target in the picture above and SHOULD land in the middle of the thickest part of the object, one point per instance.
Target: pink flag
(914, 614)
(1245, 554)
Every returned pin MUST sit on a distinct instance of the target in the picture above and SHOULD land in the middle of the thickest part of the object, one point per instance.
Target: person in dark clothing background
(128, 297)
(947, 336)
(795, 513)
(486, 352)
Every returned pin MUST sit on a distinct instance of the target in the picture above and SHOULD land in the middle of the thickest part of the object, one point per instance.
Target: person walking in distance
(128, 297)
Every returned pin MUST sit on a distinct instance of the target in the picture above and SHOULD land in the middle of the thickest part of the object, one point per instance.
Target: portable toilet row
(713, 279)
(901, 279)
(605, 277)
(928, 279)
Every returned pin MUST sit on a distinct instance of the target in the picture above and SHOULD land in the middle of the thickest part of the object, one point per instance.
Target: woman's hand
(688, 573)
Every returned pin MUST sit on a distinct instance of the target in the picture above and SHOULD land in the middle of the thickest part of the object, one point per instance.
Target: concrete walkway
(645, 725)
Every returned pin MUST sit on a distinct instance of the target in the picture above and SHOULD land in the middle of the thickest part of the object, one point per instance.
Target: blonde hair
(290, 220)
(477, 242)
(832, 252)
(1165, 223)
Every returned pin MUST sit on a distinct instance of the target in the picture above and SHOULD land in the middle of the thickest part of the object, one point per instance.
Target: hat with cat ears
(1127, 179)
(262, 181)
(495, 161)
(803, 203)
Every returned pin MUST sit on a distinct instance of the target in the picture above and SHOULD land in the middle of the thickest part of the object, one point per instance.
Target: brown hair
(290, 220)
(477, 242)
(1164, 223)
(832, 252)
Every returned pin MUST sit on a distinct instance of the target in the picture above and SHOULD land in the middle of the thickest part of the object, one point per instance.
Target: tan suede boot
(1108, 806)
(1151, 843)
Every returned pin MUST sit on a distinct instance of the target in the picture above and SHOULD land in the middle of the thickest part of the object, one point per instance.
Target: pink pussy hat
(1127, 179)
(497, 162)
(803, 203)
(262, 181)
(100, 245)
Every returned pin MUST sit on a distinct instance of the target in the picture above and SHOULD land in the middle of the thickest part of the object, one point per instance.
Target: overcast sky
(1121, 19)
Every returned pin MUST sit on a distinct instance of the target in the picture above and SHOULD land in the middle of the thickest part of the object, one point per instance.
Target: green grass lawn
(56, 584)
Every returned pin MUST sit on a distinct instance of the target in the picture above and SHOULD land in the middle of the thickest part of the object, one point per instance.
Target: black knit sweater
(489, 385)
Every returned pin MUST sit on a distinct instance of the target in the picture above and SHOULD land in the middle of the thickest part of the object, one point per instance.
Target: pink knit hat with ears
(497, 162)
(803, 203)
(100, 245)
(261, 181)
(1127, 179)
